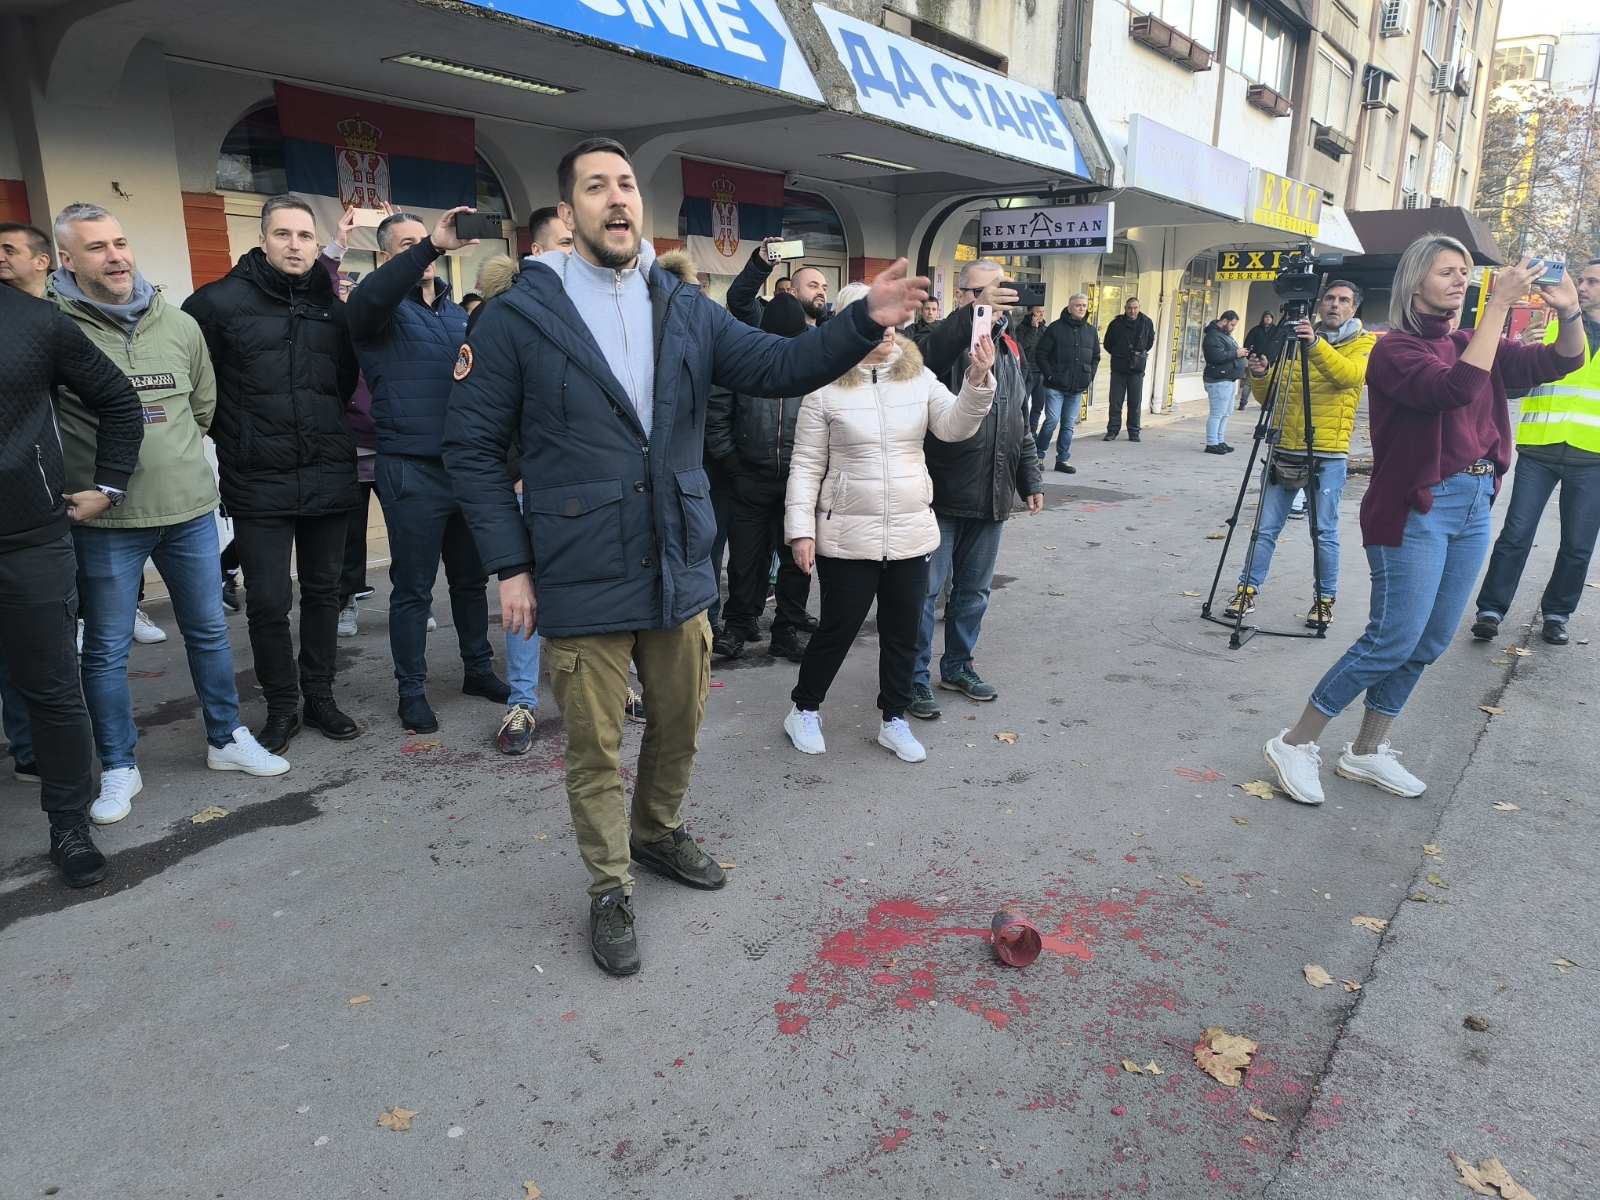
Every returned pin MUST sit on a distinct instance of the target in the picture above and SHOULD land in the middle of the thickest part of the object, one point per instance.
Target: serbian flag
(365, 153)
(729, 210)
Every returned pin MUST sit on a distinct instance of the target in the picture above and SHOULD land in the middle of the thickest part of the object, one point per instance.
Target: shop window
(1196, 298)
(1117, 283)
(251, 159)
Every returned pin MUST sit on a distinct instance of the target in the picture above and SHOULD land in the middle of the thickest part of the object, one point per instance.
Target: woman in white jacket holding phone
(857, 508)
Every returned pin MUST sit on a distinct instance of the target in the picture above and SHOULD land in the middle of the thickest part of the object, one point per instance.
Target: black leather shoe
(74, 851)
(1215, 448)
(729, 643)
(1486, 628)
(1227, 449)
(1111, 435)
(1066, 468)
(678, 857)
(787, 644)
(611, 937)
(275, 734)
(323, 715)
(416, 714)
(1555, 632)
(230, 593)
(810, 624)
(1133, 435)
(487, 685)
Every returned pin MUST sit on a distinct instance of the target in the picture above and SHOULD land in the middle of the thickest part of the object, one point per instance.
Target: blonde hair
(1411, 270)
(848, 295)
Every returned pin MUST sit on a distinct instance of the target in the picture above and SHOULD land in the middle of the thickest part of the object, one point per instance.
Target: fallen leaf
(1519, 652)
(1373, 924)
(210, 812)
(1431, 849)
(1506, 806)
(1192, 881)
(1223, 1055)
(398, 1119)
(1437, 882)
(1150, 1068)
(1259, 788)
(1494, 710)
(1049, 547)
(1215, 537)
(530, 1190)
(1317, 975)
(1241, 820)
(1350, 985)
(1490, 1178)
(1188, 593)
(1053, 592)
(1562, 964)
(727, 866)
(1476, 1023)
(1006, 736)
(1131, 1067)
(321, 1141)
(1262, 1114)
(539, 837)
(1418, 897)
(354, 1000)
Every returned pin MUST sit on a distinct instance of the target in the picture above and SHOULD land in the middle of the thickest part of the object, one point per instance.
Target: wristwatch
(115, 495)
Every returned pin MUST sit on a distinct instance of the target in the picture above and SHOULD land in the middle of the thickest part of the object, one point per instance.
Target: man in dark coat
(602, 361)
(974, 483)
(1069, 356)
(1129, 340)
(285, 372)
(1029, 330)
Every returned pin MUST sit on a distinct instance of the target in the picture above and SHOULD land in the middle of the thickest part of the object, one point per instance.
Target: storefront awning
(1385, 233)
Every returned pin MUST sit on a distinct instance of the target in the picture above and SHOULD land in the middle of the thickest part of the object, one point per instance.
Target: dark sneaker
(611, 936)
(516, 731)
(633, 708)
(1321, 614)
(74, 851)
(729, 643)
(787, 645)
(323, 715)
(1486, 628)
(923, 706)
(230, 593)
(416, 715)
(1066, 468)
(678, 857)
(365, 593)
(1555, 632)
(26, 770)
(275, 734)
(1111, 435)
(1133, 435)
(1242, 604)
(809, 625)
(1227, 449)
(966, 682)
(486, 685)
(1216, 448)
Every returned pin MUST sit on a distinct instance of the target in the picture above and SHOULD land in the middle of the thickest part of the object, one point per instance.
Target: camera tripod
(1269, 432)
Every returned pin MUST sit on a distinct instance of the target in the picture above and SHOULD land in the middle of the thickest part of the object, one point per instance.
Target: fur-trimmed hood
(906, 365)
(496, 275)
(677, 262)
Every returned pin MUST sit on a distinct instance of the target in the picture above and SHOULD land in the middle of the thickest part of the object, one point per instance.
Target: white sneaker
(145, 631)
(1298, 767)
(896, 735)
(117, 790)
(433, 626)
(347, 621)
(805, 731)
(1381, 768)
(80, 637)
(245, 754)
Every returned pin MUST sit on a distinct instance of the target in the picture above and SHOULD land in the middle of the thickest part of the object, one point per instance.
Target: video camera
(1300, 272)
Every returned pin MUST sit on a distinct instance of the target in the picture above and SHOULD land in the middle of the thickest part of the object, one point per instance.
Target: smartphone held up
(982, 324)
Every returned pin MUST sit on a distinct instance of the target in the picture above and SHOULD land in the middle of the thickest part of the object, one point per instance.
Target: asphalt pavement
(400, 923)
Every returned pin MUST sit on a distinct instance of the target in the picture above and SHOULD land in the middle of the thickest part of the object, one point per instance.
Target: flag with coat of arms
(729, 210)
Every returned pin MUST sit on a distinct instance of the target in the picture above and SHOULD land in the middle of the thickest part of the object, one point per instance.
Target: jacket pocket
(576, 530)
(699, 519)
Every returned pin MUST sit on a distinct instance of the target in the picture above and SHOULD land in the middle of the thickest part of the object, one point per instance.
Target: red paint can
(1016, 939)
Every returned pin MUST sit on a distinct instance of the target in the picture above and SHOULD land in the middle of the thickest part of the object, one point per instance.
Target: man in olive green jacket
(166, 515)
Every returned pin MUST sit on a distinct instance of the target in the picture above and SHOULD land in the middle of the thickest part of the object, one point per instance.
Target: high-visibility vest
(1567, 410)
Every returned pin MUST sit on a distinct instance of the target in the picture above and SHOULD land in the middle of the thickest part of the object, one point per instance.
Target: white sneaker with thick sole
(433, 625)
(805, 731)
(80, 636)
(896, 735)
(1381, 769)
(245, 754)
(145, 631)
(1299, 769)
(117, 790)
(348, 626)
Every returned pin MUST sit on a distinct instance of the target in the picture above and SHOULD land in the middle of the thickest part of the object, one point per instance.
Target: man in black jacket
(1224, 368)
(407, 333)
(752, 438)
(1030, 329)
(285, 371)
(1129, 339)
(973, 485)
(1069, 356)
(38, 573)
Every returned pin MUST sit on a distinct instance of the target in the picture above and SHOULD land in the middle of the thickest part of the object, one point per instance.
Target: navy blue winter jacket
(618, 529)
(407, 350)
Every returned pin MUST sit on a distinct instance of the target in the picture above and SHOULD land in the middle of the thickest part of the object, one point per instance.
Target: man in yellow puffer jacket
(1337, 348)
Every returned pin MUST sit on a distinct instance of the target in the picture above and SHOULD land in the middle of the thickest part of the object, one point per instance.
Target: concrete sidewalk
(832, 1024)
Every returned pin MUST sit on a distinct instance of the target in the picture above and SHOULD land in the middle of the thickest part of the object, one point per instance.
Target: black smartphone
(478, 225)
(1029, 295)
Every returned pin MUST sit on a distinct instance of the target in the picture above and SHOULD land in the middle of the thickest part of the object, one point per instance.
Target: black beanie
(784, 316)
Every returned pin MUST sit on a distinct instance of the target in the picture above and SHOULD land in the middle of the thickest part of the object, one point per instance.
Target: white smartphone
(982, 323)
(369, 218)
(783, 251)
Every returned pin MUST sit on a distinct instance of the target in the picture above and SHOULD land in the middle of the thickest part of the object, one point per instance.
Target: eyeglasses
(976, 291)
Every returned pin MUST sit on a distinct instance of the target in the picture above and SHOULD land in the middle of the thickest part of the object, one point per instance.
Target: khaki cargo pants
(590, 678)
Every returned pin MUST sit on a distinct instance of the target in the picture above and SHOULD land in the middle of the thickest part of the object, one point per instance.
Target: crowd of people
(590, 427)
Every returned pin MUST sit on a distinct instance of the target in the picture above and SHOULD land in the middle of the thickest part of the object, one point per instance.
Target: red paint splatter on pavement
(1119, 1110)
(621, 1151)
(1132, 858)
(789, 1022)
(1199, 774)
(223, 926)
(894, 1141)
(570, 1016)
(798, 985)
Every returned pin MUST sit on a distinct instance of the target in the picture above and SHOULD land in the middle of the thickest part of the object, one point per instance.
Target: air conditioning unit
(1465, 75)
(1443, 78)
(1410, 199)
(1395, 19)
(1375, 87)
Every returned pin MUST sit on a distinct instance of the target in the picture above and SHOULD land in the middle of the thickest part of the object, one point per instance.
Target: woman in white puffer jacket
(857, 507)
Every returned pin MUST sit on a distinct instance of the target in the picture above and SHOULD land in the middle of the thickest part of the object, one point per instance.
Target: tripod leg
(1312, 481)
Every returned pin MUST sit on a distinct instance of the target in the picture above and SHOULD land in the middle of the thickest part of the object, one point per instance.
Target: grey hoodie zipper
(627, 353)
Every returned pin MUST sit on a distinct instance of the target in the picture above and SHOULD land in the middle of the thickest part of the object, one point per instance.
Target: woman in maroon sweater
(1441, 439)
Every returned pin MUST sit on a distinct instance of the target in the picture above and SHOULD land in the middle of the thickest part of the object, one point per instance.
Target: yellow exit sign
(1279, 202)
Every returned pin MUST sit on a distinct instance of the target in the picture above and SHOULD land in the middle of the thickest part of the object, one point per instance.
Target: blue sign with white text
(740, 39)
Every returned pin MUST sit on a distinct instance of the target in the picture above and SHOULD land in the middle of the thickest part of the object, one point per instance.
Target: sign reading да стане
(1279, 202)
(1046, 229)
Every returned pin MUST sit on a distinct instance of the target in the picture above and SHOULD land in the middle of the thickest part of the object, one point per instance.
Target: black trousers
(849, 587)
(264, 545)
(353, 578)
(1035, 383)
(755, 530)
(1131, 389)
(230, 559)
(38, 630)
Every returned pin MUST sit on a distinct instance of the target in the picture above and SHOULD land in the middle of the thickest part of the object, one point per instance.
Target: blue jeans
(1580, 523)
(967, 549)
(14, 712)
(110, 568)
(1276, 503)
(1060, 409)
(1222, 395)
(1420, 588)
(522, 664)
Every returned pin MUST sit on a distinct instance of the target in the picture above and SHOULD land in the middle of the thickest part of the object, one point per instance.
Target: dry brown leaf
(530, 1190)
(1192, 881)
(421, 747)
(1437, 882)
(1150, 1068)
(1188, 594)
(1506, 806)
(398, 1119)
(354, 1000)
(1562, 964)
(1223, 1055)
(1431, 849)
(1317, 975)
(1006, 736)
(1350, 985)
(1261, 1114)
(1519, 652)
(727, 866)
(1241, 820)
(211, 812)
(1131, 1067)
(1490, 1178)
(1373, 924)
(1494, 710)
(1259, 788)
(1215, 537)
(1418, 897)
